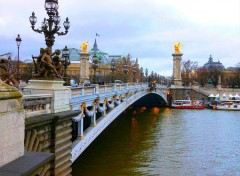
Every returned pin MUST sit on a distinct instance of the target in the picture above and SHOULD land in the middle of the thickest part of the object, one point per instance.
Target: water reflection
(163, 141)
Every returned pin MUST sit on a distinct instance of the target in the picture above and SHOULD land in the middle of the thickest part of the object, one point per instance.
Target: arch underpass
(141, 98)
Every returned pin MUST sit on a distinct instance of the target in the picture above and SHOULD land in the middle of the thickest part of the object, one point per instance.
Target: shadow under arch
(151, 99)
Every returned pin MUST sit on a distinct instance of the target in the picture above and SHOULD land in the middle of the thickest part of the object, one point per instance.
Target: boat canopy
(211, 96)
(236, 96)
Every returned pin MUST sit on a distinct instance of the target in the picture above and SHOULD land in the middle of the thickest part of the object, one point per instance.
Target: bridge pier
(52, 133)
(186, 93)
(11, 124)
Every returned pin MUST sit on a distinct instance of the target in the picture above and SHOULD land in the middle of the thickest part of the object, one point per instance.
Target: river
(165, 142)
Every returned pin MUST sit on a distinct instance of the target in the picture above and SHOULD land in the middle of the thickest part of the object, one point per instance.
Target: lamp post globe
(146, 74)
(65, 55)
(113, 68)
(134, 72)
(125, 70)
(141, 72)
(50, 26)
(95, 64)
(18, 41)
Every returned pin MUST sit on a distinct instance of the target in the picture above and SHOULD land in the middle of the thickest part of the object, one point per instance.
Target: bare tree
(202, 75)
(214, 73)
(27, 71)
(188, 71)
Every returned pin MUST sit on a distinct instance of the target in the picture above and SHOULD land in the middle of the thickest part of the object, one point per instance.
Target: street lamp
(50, 26)
(125, 69)
(141, 72)
(66, 63)
(95, 66)
(151, 77)
(146, 73)
(134, 72)
(113, 68)
(18, 41)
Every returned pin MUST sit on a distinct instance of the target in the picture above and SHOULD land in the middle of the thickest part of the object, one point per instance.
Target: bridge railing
(96, 89)
(105, 88)
(37, 104)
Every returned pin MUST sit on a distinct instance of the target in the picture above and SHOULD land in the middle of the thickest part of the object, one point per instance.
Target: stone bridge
(51, 126)
(108, 102)
(58, 124)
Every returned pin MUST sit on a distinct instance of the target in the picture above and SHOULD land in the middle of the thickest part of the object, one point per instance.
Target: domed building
(104, 62)
(211, 64)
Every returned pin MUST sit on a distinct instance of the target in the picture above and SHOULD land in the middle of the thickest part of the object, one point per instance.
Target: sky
(146, 29)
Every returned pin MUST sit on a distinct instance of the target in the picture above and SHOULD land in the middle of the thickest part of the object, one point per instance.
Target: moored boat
(187, 104)
(232, 105)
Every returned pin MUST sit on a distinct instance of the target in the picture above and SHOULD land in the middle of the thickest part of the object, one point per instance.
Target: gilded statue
(177, 47)
(84, 47)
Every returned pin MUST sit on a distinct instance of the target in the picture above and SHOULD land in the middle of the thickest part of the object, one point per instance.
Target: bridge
(51, 125)
(102, 104)
(55, 137)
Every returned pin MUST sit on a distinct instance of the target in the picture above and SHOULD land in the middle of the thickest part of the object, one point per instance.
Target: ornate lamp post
(151, 76)
(125, 70)
(134, 72)
(94, 66)
(146, 73)
(113, 68)
(18, 41)
(50, 26)
(66, 63)
(141, 72)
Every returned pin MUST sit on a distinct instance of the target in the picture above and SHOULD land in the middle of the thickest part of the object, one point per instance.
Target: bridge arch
(83, 142)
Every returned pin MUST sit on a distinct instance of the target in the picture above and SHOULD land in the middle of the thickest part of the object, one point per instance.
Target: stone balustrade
(37, 104)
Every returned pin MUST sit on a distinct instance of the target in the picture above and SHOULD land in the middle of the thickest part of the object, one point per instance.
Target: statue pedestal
(84, 67)
(60, 95)
(11, 124)
(177, 83)
(177, 80)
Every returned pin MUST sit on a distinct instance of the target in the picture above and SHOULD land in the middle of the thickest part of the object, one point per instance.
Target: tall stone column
(84, 67)
(11, 124)
(177, 80)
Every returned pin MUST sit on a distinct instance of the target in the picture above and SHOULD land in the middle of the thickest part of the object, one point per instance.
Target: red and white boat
(187, 104)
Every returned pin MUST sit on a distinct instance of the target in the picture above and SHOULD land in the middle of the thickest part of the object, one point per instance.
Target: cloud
(145, 29)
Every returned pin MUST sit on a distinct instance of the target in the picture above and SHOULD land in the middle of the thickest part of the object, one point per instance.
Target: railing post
(96, 89)
(80, 128)
(126, 86)
(105, 107)
(114, 88)
(93, 118)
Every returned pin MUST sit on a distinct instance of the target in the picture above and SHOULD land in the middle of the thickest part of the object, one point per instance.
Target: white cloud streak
(146, 29)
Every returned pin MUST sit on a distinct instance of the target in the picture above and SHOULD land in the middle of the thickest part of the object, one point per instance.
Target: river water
(165, 142)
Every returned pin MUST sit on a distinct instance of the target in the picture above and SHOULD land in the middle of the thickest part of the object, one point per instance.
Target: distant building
(211, 64)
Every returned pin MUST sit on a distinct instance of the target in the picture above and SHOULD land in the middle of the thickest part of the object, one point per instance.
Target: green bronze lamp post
(50, 26)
